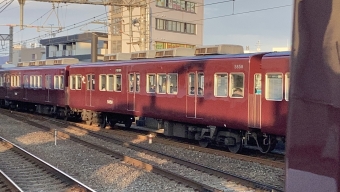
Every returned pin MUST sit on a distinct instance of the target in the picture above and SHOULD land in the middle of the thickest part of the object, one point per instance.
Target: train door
(48, 85)
(133, 88)
(90, 87)
(7, 84)
(255, 103)
(195, 93)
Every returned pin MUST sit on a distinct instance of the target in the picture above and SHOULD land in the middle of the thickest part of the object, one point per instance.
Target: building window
(177, 4)
(175, 26)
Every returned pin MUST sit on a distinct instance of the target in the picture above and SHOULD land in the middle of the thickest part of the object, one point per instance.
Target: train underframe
(51, 110)
(234, 140)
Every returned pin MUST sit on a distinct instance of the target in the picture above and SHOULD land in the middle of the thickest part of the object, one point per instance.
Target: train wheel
(268, 148)
(128, 123)
(235, 148)
(103, 122)
(112, 123)
(203, 143)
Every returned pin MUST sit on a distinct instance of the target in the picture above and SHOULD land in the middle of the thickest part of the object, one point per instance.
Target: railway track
(155, 168)
(33, 174)
(6, 184)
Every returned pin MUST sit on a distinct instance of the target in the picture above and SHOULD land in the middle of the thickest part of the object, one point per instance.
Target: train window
(200, 88)
(39, 81)
(1, 81)
(161, 81)
(257, 82)
(79, 80)
(31, 81)
(173, 83)
(35, 81)
(26, 82)
(287, 86)
(274, 86)
(110, 82)
(56, 82)
(61, 81)
(18, 81)
(221, 85)
(73, 82)
(102, 83)
(48, 82)
(236, 85)
(151, 83)
(118, 84)
(90, 82)
(191, 84)
(12, 80)
(131, 82)
(137, 82)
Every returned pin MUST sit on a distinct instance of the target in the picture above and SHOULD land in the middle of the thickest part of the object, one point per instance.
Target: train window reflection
(274, 86)
(257, 80)
(137, 82)
(131, 82)
(151, 83)
(102, 83)
(110, 82)
(118, 85)
(200, 88)
(79, 80)
(236, 85)
(172, 86)
(161, 83)
(73, 82)
(191, 84)
(221, 85)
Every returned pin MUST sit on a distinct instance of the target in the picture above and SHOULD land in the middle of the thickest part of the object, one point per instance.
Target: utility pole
(8, 37)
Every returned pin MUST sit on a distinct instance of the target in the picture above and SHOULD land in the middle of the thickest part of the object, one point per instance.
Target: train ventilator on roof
(117, 57)
(61, 61)
(175, 52)
(219, 49)
(143, 54)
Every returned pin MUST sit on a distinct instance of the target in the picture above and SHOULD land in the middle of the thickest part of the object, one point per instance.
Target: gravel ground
(106, 174)
(96, 170)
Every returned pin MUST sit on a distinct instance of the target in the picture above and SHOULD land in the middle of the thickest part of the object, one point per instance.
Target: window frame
(216, 90)
(231, 87)
(287, 85)
(169, 84)
(158, 85)
(267, 89)
(148, 82)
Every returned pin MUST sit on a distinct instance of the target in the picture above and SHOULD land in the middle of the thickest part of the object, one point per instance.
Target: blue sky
(243, 22)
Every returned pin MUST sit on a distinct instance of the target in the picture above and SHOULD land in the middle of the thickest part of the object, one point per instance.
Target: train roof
(30, 68)
(190, 58)
(277, 54)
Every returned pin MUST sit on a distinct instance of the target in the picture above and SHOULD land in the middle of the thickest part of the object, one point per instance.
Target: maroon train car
(230, 100)
(35, 88)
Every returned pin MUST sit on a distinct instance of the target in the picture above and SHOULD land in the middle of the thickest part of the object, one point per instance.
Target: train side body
(252, 111)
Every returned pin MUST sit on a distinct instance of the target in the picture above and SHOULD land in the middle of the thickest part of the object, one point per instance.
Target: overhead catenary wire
(77, 25)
